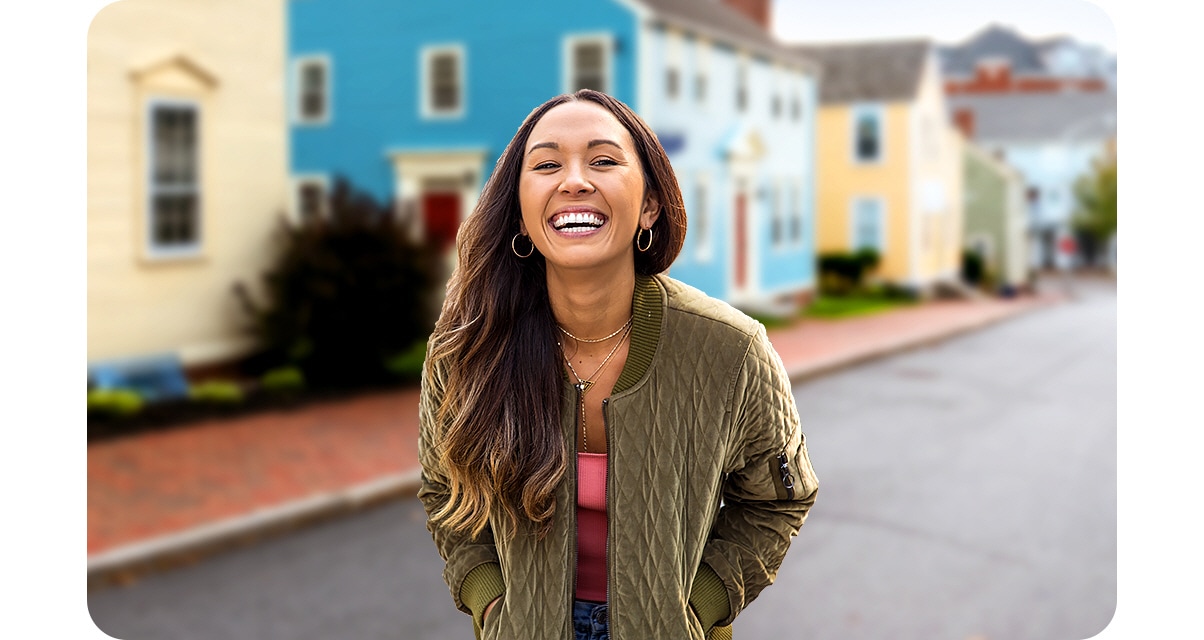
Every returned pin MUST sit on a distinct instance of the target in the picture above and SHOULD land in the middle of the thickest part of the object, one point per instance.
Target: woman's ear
(652, 211)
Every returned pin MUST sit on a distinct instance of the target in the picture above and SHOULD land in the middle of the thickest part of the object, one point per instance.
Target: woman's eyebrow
(594, 143)
(544, 145)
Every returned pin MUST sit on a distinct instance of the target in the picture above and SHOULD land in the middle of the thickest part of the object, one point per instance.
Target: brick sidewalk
(151, 494)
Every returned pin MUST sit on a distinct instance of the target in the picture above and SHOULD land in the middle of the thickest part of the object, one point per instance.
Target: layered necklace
(583, 385)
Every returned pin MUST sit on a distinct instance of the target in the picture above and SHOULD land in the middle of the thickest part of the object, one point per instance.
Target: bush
(408, 364)
(216, 392)
(114, 402)
(346, 293)
(973, 267)
(282, 381)
(843, 272)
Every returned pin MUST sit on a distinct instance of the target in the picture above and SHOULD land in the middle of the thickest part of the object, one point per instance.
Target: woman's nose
(575, 180)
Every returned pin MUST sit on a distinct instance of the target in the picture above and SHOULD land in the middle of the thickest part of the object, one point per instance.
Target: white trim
(882, 217)
(425, 106)
(194, 249)
(880, 113)
(567, 60)
(294, 202)
(295, 86)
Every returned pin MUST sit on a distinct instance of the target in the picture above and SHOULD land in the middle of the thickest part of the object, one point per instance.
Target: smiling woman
(541, 485)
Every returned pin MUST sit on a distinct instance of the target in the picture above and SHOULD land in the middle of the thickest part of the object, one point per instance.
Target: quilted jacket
(708, 480)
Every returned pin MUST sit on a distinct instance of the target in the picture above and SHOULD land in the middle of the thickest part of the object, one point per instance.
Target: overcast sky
(946, 21)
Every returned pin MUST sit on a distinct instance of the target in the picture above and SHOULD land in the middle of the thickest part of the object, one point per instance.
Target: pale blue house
(415, 102)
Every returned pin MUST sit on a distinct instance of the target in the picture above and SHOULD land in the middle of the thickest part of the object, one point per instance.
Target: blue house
(415, 102)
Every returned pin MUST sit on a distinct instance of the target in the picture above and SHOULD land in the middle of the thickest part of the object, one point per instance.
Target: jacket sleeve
(472, 571)
(770, 483)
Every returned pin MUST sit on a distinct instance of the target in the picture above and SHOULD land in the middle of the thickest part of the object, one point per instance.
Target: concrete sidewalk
(169, 498)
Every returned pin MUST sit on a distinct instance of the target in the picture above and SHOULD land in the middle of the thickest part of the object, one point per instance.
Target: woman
(605, 450)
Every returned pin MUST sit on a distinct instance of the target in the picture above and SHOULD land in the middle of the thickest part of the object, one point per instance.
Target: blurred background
(274, 190)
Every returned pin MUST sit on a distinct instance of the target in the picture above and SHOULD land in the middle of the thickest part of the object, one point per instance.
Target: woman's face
(581, 189)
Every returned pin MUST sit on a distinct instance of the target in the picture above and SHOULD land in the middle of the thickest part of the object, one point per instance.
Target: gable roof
(888, 70)
(719, 22)
(1029, 117)
(995, 41)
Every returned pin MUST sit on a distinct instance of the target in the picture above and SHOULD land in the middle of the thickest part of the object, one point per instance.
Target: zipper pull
(787, 479)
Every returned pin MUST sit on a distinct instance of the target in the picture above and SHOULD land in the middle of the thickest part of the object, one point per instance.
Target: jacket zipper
(610, 633)
(787, 478)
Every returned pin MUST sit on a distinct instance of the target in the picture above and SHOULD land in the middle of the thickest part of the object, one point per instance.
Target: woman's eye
(605, 162)
(545, 165)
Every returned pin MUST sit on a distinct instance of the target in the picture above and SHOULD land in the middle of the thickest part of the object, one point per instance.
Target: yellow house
(187, 171)
(888, 161)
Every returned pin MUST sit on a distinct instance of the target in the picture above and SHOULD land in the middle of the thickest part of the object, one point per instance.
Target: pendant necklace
(584, 385)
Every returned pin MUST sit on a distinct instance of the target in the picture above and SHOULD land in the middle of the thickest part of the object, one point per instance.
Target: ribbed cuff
(479, 588)
(708, 596)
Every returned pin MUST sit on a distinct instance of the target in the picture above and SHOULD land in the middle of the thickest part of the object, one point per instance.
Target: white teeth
(591, 219)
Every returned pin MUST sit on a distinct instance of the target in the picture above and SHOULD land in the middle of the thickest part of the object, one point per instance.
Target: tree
(346, 294)
(1095, 203)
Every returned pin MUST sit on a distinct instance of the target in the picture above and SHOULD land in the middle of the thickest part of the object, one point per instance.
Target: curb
(805, 372)
(125, 564)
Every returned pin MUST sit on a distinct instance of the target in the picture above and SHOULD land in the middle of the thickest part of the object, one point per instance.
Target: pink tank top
(591, 527)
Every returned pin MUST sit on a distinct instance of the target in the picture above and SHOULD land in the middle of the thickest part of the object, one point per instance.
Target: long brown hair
(503, 449)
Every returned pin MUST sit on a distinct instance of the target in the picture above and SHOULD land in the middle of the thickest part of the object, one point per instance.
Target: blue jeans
(589, 621)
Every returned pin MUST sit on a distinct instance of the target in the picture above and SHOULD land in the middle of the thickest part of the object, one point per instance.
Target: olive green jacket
(708, 480)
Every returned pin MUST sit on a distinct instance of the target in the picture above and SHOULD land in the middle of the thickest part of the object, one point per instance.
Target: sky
(946, 21)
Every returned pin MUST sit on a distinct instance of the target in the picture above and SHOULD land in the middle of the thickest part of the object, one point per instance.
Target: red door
(741, 248)
(441, 217)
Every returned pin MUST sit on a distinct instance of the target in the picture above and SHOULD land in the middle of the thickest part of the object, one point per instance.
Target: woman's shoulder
(688, 303)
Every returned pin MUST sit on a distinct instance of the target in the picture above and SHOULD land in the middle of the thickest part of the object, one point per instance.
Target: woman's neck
(591, 305)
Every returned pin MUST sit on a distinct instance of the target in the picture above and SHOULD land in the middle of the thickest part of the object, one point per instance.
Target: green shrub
(283, 380)
(973, 267)
(346, 293)
(408, 364)
(114, 402)
(843, 272)
(216, 392)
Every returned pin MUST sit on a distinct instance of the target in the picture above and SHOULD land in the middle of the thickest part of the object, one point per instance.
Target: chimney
(757, 10)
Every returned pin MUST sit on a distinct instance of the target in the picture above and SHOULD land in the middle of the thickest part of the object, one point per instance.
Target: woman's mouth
(577, 221)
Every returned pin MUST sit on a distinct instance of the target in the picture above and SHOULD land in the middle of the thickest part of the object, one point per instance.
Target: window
(796, 107)
(777, 231)
(700, 223)
(173, 189)
(443, 81)
(777, 106)
(867, 135)
(588, 63)
(867, 224)
(310, 198)
(701, 61)
(742, 86)
(672, 82)
(796, 218)
(312, 85)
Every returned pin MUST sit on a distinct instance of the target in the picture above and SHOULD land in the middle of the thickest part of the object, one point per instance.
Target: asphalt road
(968, 492)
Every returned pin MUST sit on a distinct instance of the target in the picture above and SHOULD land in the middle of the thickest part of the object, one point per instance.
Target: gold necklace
(583, 386)
(565, 332)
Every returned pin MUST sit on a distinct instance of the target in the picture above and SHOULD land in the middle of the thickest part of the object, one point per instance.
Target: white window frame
(882, 220)
(880, 115)
(673, 65)
(568, 59)
(193, 249)
(743, 84)
(297, 113)
(303, 179)
(426, 96)
(704, 241)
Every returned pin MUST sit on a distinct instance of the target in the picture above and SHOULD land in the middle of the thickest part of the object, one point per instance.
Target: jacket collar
(648, 311)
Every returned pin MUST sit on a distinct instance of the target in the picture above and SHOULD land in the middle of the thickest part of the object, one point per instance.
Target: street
(968, 492)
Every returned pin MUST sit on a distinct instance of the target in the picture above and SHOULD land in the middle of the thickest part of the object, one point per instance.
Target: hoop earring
(515, 249)
(637, 239)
